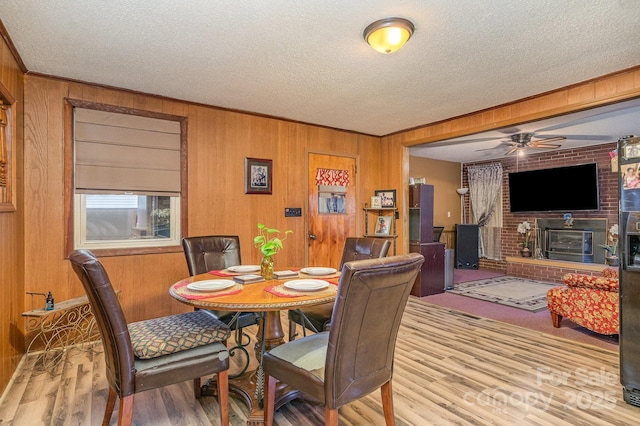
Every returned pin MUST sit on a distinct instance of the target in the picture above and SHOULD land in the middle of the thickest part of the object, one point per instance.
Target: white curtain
(485, 191)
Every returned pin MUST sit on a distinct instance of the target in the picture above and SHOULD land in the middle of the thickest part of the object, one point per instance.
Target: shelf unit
(384, 211)
(431, 279)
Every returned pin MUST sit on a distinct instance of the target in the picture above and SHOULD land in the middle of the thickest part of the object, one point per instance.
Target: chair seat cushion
(180, 366)
(161, 336)
(301, 363)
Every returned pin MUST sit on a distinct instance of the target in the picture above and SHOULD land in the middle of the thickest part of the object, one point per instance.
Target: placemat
(320, 277)
(282, 291)
(182, 290)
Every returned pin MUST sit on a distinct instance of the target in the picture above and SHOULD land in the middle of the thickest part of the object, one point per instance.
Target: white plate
(306, 285)
(244, 268)
(211, 285)
(318, 270)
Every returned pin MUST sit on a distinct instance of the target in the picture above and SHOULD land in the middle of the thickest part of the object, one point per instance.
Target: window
(127, 180)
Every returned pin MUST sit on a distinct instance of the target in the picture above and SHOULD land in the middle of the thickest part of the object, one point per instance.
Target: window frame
(69, 192)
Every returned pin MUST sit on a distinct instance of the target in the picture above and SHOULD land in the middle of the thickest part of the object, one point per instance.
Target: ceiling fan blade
(591, 137)
(512, 150)
(544, 146)
(549, 139)
(500, 145)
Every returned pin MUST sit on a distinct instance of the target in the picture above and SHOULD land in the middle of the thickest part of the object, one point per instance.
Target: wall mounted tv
(564, 189)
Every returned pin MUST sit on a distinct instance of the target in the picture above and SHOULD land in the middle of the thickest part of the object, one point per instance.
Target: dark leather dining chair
(153, 353)
(317, 318)
(217, 252)
(355, 357)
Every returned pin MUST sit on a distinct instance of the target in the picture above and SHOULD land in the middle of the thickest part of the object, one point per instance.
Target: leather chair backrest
(372, 295)
(118, 351)
(361, 248)
(211, 252)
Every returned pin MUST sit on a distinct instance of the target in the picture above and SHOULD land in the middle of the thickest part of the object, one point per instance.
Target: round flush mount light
(389, 34)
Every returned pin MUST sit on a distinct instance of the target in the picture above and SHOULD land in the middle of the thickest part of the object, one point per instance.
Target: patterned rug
(520, 293)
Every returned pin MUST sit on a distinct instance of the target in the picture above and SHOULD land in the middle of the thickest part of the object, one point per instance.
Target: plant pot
(525, 252)
(266, 267)
(612, 260)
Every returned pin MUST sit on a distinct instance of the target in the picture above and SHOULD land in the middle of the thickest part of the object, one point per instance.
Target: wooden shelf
(383, 211)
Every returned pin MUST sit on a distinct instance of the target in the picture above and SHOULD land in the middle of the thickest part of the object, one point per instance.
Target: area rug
(520, 293)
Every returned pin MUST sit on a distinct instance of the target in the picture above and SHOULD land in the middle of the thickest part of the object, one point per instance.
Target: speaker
(467, 247)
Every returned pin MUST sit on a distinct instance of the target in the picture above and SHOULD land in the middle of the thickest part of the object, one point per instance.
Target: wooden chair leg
(111, 404)
(269, 399)
(223, 396)
(125, 415)
(197, 388)
(330, 416)
(555, 319)
(387, 403)
(292, 331)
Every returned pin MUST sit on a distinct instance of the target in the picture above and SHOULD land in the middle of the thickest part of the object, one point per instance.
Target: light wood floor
(451, 368)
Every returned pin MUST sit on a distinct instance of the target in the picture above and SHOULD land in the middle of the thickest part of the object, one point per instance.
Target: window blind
(116, 153)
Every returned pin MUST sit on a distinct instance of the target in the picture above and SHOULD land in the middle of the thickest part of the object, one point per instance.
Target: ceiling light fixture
(389, 34)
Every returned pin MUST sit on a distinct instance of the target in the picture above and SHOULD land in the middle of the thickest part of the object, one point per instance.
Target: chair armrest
(590, 281)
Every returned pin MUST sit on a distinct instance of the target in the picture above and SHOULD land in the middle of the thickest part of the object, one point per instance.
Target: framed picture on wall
(387, 197)
(257, 176)
(383, 225)
(376, 202)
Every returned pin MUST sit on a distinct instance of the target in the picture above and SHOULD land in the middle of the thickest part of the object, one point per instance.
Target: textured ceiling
(307, 60)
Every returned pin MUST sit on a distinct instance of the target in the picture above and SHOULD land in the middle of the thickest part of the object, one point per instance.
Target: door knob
(312, 236)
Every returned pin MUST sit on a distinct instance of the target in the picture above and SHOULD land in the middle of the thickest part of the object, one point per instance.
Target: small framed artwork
(630, 177)
(631, 150)
(257, 176)
(387, 197)
(383, 225)
(376, 202)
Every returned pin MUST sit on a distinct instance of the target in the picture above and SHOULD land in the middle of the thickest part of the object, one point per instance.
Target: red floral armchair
(589, 301)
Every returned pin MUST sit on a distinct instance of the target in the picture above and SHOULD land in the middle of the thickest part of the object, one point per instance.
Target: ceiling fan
(521, 141)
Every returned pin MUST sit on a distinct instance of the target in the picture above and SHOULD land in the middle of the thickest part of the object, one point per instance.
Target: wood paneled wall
(218, 142)
(11, 237)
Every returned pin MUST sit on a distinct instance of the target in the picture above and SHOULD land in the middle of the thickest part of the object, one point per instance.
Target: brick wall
(608, 186)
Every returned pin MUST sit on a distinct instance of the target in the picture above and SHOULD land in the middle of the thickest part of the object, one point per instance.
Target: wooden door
(327, 231)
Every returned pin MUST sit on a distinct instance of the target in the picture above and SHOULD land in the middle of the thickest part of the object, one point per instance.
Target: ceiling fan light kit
(520, 142)
(388, 35)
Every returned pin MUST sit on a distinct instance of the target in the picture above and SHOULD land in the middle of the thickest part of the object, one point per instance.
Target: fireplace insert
(569, 244)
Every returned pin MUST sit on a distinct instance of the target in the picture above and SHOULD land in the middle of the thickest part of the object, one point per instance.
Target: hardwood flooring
(451, 368)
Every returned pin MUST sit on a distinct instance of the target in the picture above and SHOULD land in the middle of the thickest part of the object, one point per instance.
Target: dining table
(217, 290)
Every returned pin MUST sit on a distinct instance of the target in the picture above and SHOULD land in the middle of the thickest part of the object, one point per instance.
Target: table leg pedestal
(245, 385)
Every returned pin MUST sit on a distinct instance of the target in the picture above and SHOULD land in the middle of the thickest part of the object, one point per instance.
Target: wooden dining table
(267, 298)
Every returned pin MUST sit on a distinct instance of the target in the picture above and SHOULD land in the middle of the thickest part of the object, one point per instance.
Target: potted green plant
(269, 243)
(612, 247)
(524, 229)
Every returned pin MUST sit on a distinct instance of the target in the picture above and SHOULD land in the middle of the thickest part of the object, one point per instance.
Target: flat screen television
(566, 189)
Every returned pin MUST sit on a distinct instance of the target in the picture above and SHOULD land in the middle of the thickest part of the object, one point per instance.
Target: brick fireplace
(577, 242)
(550, 269)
